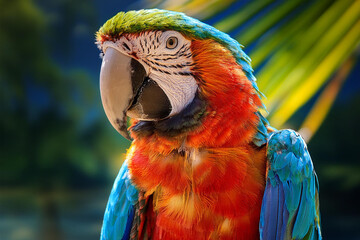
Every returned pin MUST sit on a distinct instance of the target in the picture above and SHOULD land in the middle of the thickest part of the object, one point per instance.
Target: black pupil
(171, 41)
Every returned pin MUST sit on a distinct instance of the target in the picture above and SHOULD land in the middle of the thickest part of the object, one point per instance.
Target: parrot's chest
(202, 192)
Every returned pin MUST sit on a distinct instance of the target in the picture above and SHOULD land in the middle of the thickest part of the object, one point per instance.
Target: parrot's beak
(127, 90)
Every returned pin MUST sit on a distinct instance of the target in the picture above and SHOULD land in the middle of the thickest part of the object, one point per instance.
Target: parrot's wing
(290, 207)
(119, 213)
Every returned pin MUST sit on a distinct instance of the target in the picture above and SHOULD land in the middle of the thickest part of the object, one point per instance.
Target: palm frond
(298, 96)
(322, 106)
(239, 17)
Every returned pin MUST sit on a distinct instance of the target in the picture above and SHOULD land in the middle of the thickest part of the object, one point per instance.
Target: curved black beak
(126, 90)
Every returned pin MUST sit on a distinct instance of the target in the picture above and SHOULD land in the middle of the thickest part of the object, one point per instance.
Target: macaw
(203, 163)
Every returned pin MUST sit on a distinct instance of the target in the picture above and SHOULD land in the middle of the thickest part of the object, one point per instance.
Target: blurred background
(59, 155)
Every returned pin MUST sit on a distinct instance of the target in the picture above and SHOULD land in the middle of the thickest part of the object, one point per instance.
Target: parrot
(204, 163)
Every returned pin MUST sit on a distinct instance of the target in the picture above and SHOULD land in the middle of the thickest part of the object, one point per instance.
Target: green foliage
(232, 21)
(47, 138)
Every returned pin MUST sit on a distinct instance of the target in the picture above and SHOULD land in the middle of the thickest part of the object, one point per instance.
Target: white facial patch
(167, 59)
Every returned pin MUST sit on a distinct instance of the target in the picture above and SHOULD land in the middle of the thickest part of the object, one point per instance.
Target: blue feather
(282, 161)
(281, 223)
(120, 207)
(305, 216)
(290, 206)
(274, 218)
(129, 223)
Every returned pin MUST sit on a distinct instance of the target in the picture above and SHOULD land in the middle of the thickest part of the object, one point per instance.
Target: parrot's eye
(171, 43)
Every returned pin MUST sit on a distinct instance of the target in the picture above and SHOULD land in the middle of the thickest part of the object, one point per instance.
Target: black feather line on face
(184, 73)
(182, 65)
(141, 45)
(165, 59)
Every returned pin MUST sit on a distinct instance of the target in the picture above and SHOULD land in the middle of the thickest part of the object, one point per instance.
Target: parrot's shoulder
(287, 150)
(290, 208)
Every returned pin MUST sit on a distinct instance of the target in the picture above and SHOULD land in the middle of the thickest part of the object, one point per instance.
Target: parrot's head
(158, 64)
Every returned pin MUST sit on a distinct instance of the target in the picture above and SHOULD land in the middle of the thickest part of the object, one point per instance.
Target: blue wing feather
(290, 203)
(276, 217)
(129, 224)
(119, 211)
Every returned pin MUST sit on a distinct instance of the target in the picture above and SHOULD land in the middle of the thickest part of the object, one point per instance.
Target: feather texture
(290, 206)
(119, 211)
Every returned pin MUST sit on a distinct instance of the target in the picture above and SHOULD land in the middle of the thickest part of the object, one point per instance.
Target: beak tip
(121, 128)
(126, 135)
